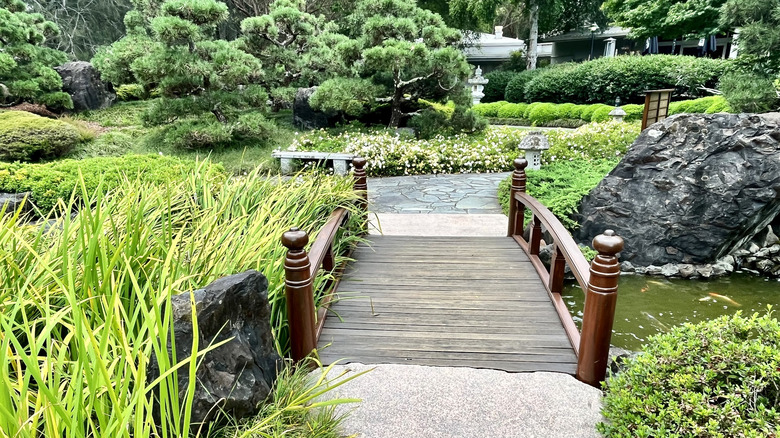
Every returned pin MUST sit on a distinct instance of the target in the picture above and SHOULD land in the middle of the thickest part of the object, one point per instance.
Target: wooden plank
(494, 328)
(452, 338)
(400, 318)
(550, 355)
(512, 367)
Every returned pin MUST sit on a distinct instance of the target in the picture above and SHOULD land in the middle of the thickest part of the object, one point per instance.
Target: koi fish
(653, 320)
(725, 298)
(644, 289)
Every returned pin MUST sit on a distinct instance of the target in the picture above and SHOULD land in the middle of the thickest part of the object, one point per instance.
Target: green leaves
(666, 18)
(199, 12)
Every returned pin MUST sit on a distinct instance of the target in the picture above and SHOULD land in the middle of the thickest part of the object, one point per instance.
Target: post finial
(295, 239)
(520, 164)
(359, 162)
(608, 244)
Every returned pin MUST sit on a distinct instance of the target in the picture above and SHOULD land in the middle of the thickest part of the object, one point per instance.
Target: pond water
(649, 305)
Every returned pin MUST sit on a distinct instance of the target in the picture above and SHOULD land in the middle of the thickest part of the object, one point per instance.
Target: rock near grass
(690, 190)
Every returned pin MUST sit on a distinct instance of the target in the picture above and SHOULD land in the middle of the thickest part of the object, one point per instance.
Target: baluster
(299, 293)
(517, 209)
(599, 314)
(361, 184)
(536, 236)
(557, 268)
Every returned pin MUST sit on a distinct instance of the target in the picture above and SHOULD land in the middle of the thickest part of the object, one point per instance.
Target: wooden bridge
(480, 302)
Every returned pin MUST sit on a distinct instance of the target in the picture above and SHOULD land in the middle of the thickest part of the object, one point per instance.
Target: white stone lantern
(618, 113)
(533, 144)
(477, 84)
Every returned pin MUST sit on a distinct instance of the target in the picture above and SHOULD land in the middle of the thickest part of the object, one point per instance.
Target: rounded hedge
(511, 111)
(496, 86)
(28, 137)
(543, 113)
(627, 77)
(515, 89)
(718, 378)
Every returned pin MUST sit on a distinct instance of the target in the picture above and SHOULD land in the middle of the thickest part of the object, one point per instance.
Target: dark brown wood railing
(599, 280)
(301, 268)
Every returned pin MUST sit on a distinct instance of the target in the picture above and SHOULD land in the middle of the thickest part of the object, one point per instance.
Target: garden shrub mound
(50, 182)
(626, 77)
(718, 378)
(496, 86)
(550, 114)
(28, 137)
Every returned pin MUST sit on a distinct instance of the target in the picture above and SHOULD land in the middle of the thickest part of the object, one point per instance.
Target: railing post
(599, 314)
(299, 293)
(557, 269)
(361, 184)
(535, 238)
(516, 209)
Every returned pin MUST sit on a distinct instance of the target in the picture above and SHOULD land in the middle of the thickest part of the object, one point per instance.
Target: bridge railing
(301, 268)
(599, 280)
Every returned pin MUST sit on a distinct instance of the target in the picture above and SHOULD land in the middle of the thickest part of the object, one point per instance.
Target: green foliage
(759, 37)
(49, 183)
(511, 110)
(601, 113)
(749, 92)
(446, 121)
(489, 109)
(596, 141)
(131, 92)
(496, 86)
(515, 89)
(719, 105)
(634, 112)
(668, 19)
(110, 144)
(135, 246)
(542, 113)
(560, 186)
(408, 52)
(350, 96)
(29, 137)
(715, 378)
(627, 77)
(26, 64)
(122, 114)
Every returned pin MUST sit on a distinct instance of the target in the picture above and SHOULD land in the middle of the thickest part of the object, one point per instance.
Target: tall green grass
(85, 297)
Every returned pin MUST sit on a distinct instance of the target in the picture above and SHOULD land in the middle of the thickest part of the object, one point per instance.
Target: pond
(649, 305)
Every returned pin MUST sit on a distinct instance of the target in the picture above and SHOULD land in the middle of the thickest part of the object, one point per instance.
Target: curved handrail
(597, 280)
(301, 268)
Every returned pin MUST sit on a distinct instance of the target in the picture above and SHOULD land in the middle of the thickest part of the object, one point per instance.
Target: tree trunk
(533, 37)
(395, 118)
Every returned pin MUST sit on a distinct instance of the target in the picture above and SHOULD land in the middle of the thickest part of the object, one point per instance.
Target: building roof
(582, 35)
(492, 47)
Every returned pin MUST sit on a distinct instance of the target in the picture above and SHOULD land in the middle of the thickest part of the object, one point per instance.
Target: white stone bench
(340, 161)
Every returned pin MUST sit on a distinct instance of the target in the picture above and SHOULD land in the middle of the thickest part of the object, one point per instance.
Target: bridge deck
(445, 301)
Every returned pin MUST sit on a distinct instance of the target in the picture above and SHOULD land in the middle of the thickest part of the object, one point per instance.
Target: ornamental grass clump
(85, 299)
(718, 378)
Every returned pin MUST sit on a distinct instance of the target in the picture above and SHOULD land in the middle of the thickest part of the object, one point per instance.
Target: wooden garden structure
(482, 302)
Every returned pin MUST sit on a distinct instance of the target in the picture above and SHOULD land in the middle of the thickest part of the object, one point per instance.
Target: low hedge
(28, 137)
(718, 378)
(50, 182)
(626, 77)
(544, 114)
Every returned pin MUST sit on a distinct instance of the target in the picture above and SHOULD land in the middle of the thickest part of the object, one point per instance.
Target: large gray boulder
(12, 201)
(690, 189)
(306, 117)
(236, 377)
(82, 81)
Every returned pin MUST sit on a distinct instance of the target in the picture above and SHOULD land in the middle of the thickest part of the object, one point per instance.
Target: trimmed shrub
(515, 89)
(627, 77)
(634, 112)
(587, 111)
(718, 378)
(749, 92)
(429, 123)
(489, 109)
(50, 182)
(512, 111)
(601, 113)
(719, 105)
(543, 113)
(496, 86)
(28, 137)
(465, 121)
(568, 111)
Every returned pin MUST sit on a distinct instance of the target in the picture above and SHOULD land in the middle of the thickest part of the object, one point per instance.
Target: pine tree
(26, 65)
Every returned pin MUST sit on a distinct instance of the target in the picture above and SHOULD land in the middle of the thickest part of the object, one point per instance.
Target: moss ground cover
(28, 137)
(83, 301)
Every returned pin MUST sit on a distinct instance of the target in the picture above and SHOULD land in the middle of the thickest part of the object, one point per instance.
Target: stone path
(433, 194)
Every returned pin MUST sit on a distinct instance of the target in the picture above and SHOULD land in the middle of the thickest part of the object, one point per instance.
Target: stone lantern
(533, 144)
(477, 84)
(618, 113)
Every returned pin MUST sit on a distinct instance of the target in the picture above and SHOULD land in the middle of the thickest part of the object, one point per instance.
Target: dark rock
(12, 201)
(618, 357)
(724, 187)
(306, 117)
(238, 376)
(82, 81)
(627, 267)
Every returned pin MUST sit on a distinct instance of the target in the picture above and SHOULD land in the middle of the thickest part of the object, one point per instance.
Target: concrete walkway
(444, 402)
